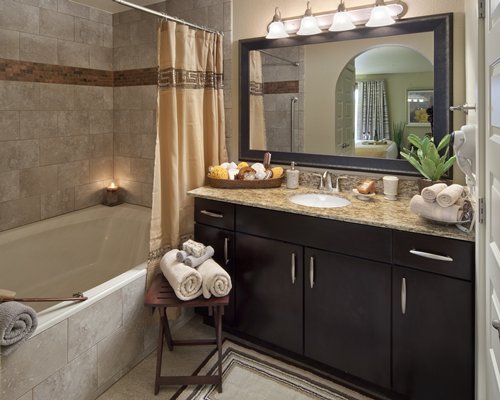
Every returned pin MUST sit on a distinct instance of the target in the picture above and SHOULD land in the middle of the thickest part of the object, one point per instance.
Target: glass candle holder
(111, 195)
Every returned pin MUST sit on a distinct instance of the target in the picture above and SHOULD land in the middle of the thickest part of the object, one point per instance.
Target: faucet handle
(337, 182)
(321, 185)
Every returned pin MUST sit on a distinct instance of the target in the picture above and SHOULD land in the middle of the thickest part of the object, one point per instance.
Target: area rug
(252, 375)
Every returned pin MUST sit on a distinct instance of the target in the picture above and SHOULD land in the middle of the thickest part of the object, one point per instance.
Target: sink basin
(319, 200)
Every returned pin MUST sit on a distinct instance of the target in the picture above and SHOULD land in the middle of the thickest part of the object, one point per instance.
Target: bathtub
(102, 252)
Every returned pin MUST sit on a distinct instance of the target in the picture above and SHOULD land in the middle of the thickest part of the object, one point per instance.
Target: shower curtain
(190, 130)
(373, 115)
(257, 127)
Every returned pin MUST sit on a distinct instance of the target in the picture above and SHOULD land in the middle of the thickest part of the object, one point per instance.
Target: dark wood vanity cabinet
(347, 317)
(433, 318)
(269, 290)
(361, 299)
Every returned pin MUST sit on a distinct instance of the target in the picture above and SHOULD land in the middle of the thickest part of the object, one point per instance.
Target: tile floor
(138, 384)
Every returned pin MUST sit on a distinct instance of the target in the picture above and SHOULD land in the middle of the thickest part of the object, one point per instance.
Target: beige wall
(250, 19)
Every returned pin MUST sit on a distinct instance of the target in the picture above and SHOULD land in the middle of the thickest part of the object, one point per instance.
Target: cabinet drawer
(362, 241)
(214, 213)
(455, 257)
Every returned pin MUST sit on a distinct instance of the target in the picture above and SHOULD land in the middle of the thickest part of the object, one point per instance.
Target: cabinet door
(269, 290)
(347, 314)
(223, 243)
(432, 336)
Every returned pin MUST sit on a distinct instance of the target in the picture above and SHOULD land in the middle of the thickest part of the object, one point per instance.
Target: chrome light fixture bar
(360, 16)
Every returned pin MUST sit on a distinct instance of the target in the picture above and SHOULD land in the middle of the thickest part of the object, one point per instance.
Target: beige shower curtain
(257, 122)
(190, 130)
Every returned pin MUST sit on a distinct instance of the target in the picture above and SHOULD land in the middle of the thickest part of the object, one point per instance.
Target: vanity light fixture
(308, 23)
(276, 29)
(380, 15)
(342, 20)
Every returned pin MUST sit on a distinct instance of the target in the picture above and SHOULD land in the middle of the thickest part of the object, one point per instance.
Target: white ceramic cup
(390, 187)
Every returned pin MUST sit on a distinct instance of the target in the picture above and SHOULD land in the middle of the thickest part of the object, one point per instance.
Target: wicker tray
(241, 184)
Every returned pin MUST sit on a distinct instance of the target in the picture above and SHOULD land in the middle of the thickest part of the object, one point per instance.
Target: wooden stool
(161, 295)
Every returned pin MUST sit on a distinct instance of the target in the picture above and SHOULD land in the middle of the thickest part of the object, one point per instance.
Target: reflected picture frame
(418, 104)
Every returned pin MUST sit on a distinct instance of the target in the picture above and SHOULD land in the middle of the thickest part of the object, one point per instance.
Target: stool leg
(218, 335)
(159, 353)
(168, 335)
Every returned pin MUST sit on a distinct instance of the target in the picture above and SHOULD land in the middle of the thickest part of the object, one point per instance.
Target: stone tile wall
(78, 102)
(56, 140)
(82, 356)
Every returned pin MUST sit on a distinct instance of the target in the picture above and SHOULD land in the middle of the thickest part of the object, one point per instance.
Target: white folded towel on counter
(216, 281)
(434, 211)
(430, 193)
(450, 195)
(186, 281)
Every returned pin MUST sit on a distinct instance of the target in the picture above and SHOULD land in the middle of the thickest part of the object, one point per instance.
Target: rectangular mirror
(342, 100)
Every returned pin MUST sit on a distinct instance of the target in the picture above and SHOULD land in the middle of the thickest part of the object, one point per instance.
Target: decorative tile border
(281, 87)
(135, 77)
(25, 71)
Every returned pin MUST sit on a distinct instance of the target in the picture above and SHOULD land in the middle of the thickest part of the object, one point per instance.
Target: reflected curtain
(257, 127)
(373, 114)
(190, 130)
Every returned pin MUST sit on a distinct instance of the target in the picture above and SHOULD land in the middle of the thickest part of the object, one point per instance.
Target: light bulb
(308, 23)
(380, 15)
(341, 20)
(276, 28)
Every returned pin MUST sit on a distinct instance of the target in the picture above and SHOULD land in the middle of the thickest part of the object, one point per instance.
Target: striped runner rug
(252, 375)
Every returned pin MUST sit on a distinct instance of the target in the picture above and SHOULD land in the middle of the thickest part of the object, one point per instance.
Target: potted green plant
(426, 157)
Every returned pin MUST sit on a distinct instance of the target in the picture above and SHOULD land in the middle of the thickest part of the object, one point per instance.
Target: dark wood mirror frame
(442, 27)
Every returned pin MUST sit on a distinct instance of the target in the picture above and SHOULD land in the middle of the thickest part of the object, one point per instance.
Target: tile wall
(78, 102)
(56, 139)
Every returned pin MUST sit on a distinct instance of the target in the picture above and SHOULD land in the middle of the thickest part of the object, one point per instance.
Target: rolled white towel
(450, 195)
(17, 323)
(193, 262)
(193, 248)
(430, 193)
(216, 280)
(181, 255)
(434, 211)
(185, 281)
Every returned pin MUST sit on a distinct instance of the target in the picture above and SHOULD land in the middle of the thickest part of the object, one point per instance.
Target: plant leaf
(445, 141)
(414, 163)
(415, 140)
(429, 168)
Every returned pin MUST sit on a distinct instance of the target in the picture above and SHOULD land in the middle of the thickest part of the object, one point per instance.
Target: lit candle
(111, 195)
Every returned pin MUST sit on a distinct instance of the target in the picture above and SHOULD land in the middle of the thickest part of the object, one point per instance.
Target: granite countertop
(377, 211)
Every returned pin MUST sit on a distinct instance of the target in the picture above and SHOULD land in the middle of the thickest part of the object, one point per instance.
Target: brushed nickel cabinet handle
(293, 269)
(403, 296)
(311, 271)
(496, 324)
(432, 256)
(226, 250)
(212, 214)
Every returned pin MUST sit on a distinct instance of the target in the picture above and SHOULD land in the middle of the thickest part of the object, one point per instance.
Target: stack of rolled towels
(17, 323)
(439, 202)
(192, 272)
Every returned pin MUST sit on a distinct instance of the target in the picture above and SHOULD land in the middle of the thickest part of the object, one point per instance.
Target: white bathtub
(79, 349)
(95, 251)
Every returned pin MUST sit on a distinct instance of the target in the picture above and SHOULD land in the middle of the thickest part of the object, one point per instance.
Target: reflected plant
(398, 129)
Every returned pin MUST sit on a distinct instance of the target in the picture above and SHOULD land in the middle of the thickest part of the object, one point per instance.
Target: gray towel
(181, 255)
(17, 323)
(192, 261)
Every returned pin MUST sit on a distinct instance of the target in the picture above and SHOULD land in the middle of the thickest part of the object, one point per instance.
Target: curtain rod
(280, 58)
(166, 16)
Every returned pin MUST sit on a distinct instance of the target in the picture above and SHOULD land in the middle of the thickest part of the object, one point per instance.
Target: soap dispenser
(292, 177)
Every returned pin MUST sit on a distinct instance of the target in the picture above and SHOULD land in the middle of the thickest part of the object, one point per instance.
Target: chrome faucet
(325, 182)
